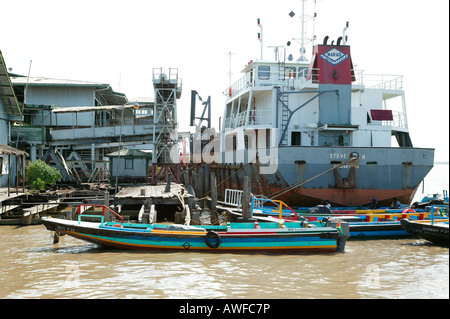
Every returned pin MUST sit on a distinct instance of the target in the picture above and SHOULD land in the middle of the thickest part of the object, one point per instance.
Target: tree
(39, 174)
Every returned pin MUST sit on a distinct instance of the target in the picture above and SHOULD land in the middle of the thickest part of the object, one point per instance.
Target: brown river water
(33, 267)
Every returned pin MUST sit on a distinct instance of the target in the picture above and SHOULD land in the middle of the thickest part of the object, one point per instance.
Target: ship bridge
(260, 74)
(318, 105)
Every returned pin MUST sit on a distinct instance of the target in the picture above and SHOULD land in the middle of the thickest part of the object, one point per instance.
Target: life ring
(408, 210)
(230, 92)
(209, 236)
(117, 225)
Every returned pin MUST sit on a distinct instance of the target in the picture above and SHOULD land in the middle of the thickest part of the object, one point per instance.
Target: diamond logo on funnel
(334, 56)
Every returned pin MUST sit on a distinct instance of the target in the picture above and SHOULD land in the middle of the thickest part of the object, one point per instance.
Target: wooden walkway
(146, 191)
(33, 212)
(157, 194)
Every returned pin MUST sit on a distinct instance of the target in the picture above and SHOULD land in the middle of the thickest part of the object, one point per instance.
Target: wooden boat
(361, 229)
(363, 224)
(233, 237)
(436, 232)
(433, 200)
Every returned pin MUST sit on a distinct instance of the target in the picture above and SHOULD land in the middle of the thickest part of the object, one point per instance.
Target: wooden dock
(135, 202)
(158, 194)
(33, 213)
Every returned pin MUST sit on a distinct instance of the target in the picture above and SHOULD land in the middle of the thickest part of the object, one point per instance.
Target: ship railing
(399, 120)
(172, 77)
(240, 85)
(240, 119)
(84, 207)
(379, 81)
(233, 197)
(260, 117)
(237, 120)
(255, 117)
(229, 123)
(282, 79)
(272, 207)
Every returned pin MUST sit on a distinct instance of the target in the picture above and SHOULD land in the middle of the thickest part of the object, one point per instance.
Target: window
(302, 72)
(289, 72)
(264, 72)
(129, 163)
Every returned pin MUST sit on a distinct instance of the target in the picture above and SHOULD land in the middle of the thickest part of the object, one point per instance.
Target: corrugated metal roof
(104, 89)
(42, 81)
(130, 153)
(8, 150)
(9, 99)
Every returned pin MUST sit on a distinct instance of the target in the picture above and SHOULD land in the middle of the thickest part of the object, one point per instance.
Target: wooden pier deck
(156, 193)
(132, 202)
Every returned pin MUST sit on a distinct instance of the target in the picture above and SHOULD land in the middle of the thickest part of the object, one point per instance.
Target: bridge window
(302, 72)
(289, 72)
(264, 72)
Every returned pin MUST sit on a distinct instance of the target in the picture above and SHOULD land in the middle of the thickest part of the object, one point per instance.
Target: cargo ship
(309, 130)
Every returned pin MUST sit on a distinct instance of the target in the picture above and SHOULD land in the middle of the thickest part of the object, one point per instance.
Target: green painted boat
(253, 236)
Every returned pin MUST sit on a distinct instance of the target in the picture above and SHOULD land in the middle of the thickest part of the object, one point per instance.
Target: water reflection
(73, 268)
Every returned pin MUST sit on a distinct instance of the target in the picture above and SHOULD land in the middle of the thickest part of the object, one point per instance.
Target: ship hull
(383, 173)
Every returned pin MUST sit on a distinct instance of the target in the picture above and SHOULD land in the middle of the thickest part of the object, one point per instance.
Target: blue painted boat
(275, 237)
(379, 226)
(363, 224)
(361, 229)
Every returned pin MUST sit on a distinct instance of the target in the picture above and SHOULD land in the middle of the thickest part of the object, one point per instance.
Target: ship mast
(303, 40)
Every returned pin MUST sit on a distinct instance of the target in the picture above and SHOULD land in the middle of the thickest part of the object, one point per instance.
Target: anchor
(347, 182)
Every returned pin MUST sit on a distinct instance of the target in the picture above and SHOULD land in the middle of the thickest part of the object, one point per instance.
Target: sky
(120, 42)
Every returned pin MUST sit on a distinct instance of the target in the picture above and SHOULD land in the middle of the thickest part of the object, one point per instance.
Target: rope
(283, 191)
(206, 195)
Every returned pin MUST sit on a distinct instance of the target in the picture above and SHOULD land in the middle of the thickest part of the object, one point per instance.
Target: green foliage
(39, 174)
(38, 184)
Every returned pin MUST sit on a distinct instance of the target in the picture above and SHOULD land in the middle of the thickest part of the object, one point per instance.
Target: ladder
(284, 98)
(281, 70)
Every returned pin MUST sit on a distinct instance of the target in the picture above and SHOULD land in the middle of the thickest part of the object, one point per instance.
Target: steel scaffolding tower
(165, 137)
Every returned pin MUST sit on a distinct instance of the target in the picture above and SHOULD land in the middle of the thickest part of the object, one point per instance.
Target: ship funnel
(325, 40)
(332, 69)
